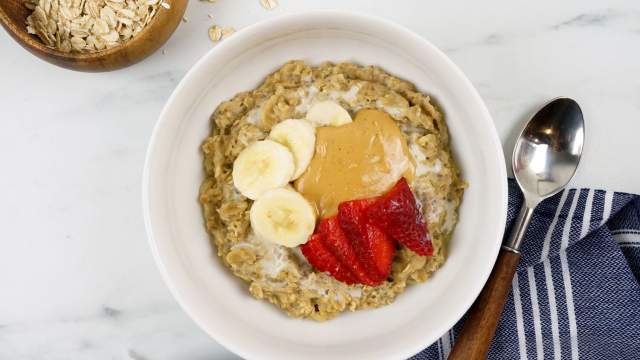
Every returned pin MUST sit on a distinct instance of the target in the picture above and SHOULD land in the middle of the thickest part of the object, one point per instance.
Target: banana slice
(323, 113)
(283, 216)
(262, 166)
(299, 136)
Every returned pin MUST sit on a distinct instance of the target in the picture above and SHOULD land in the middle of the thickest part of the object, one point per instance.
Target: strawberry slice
(336, 241)
(374, 248)
(352, 216)
(382, 249)
(398, 215)
(322, 259)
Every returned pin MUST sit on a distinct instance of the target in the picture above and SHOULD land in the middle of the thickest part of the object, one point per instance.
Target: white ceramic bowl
(219, 302)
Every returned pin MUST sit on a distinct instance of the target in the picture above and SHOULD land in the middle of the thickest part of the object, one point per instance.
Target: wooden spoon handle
(476, 335)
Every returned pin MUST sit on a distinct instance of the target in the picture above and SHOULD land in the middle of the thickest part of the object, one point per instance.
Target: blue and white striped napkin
(576, 293)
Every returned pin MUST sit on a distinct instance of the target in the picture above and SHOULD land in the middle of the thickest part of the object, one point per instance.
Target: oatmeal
(282, 275)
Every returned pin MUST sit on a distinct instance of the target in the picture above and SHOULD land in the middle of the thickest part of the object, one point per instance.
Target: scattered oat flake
(185, 19)
(165, 5)
(269, 4)
(210, 16)
(227, 31)
(215, 33)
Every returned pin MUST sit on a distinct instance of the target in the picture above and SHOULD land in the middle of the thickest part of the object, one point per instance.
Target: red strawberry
(397, 214)
(374, 248)
(322, 259)
(336, 241)
(352, 216)
(382, 248)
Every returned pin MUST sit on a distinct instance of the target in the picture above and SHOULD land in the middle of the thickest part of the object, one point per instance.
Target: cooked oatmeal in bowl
(318, 157)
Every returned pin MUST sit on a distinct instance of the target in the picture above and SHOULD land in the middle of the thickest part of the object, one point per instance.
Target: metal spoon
(545, 158)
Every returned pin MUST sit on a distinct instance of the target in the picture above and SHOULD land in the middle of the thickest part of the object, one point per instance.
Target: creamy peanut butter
(358, 160)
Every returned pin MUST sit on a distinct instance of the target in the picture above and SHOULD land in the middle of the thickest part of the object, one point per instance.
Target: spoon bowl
(547, 152)
(13, 17)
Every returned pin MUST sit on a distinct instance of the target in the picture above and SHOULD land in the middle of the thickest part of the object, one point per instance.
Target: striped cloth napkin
(576, 293)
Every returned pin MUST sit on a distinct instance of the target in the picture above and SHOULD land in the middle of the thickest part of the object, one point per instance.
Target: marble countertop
(77, 277)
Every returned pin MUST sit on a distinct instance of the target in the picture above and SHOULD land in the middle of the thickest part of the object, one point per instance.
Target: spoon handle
(476, 335)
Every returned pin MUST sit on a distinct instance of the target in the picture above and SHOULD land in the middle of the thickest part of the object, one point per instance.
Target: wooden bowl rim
(35, 43)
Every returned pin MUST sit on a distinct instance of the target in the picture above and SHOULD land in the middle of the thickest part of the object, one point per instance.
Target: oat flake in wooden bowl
(89, 25)
(91, 35)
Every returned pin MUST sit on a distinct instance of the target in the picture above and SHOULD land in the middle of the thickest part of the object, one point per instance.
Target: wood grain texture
(477, 333)
(13, 16)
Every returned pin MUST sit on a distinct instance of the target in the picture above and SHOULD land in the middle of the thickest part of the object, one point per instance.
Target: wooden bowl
(13, 16)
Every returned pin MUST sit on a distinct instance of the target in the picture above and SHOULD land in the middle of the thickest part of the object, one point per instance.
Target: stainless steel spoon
(545, 158)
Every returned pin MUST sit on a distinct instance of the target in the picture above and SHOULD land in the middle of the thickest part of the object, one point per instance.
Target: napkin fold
(576, 293)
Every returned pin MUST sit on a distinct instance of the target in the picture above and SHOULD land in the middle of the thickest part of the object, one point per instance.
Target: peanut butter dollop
(358, 160)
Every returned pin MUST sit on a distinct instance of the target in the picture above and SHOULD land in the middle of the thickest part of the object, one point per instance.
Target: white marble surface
(77, 278)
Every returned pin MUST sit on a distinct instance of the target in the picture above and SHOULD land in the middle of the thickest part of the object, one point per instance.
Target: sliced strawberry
(398, 214)
(382, 249)
(322, 259)
(336, 241)
(352, 216)
(357, 245)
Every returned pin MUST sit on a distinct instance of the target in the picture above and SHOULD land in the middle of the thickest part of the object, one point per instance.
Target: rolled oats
(89, 25)
(269, 4)
(215, 33)
(227, 31)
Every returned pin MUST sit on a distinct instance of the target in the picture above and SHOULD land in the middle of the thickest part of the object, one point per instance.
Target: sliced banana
(262, 166)
(328, 113)
(283, 216)
(299, 136)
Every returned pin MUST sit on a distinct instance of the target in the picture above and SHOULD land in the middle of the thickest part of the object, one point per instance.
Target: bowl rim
(227, 342)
